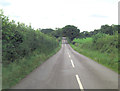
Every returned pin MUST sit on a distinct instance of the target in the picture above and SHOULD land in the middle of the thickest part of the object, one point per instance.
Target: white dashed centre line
(72, 63)
(79, 82)
(69, 55)
(77, 77)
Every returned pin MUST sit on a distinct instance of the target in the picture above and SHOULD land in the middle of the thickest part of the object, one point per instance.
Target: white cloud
(58, 13)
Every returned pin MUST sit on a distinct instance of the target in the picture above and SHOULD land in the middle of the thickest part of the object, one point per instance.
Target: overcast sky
(87, 15)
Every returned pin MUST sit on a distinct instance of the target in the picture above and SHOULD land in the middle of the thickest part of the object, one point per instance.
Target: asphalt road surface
(68, 69)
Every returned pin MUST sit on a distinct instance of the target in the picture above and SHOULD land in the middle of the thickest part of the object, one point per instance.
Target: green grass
(16, 71)
(81, 41)
(100, 55)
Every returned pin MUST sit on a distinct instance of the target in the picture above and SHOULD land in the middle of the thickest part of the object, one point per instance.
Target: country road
(68, 69)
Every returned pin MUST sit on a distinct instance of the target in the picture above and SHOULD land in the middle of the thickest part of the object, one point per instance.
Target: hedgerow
(20, 40)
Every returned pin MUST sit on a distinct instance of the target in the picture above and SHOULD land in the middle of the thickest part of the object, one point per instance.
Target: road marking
(69, 55)
(72, 63)
(79, 82)
(65, 44)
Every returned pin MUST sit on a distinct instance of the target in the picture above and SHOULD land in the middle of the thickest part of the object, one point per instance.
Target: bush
(106, 43)
(23, 50)
(20, 40)
(102, 48)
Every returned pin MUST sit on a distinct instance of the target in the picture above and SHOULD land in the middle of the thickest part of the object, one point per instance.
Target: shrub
(20, 40)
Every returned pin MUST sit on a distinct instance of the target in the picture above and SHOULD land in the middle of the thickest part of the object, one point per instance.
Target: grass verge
(16, 71)
(105, 59)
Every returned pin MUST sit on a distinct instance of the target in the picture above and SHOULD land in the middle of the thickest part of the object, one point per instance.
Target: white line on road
(72, 63)
(79, 82)
(69, 55)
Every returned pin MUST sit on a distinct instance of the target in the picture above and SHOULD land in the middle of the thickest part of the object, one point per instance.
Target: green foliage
(57, 33)
(70, 31)
(105, 29)
(82, 41)
(23, 49)
(106, 43)
(16, 71)
(102, 48)
(20, 40)
(47, 31)
(84, 34)
(109, 29)
(98, 36)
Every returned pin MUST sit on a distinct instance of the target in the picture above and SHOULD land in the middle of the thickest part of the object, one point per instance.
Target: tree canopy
(47, 31)
(70, 31)
(20, 40)
(105, 29)
(57, 33)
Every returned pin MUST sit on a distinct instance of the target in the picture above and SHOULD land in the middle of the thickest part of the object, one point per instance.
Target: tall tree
(70, 31)
(57, 33)
(47, 31)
